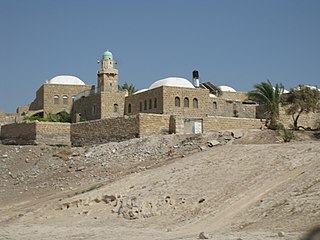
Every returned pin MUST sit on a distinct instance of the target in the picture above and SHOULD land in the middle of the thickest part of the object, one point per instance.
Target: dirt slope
(228, 191)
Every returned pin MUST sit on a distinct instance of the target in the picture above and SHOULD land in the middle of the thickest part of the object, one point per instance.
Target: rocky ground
(228, 185)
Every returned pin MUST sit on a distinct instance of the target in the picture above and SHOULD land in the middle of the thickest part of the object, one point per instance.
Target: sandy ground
(254, 187)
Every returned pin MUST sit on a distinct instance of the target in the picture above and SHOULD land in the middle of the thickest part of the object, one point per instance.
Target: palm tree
(270, 96)
(130, 88)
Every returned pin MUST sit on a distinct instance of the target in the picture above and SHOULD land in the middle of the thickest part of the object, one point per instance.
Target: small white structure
(227, 89)
(172, 82)
(66, 80)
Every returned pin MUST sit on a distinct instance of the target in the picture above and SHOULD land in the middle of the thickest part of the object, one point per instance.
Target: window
(186, 102)
(73, 98)
(94, 110)
(129, 108)
(215, 106)
(140, 106)
(155, 103)
(65, 99)
(115, 108)
(195, 103)
(145, 105)
(56, 99)
(177, 102)
(150, 103)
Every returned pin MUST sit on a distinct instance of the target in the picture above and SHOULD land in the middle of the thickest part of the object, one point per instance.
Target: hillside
(164, 187)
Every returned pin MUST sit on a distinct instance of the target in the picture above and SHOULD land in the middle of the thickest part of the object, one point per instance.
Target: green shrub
(287, 134)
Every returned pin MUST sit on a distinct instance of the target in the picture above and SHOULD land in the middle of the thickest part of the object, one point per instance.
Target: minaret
(107, 75)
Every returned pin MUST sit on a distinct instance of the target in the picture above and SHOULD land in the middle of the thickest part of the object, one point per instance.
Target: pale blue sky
(231, 42)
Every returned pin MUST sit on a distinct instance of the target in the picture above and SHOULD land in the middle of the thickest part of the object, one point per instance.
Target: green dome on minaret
(107, 55)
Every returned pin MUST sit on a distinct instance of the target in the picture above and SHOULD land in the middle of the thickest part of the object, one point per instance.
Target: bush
(287, 134)
(60, 117)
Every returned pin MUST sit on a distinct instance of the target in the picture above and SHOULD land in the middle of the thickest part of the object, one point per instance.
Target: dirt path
(227, 212)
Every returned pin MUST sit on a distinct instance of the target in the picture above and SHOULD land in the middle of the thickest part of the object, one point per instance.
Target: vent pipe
(195, 78)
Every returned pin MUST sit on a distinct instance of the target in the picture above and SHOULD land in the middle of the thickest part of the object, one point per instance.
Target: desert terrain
(225, 185)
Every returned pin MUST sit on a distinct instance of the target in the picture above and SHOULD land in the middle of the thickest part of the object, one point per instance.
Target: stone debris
(203, 235)
(237, 134)
(213, 143)
(36, 168)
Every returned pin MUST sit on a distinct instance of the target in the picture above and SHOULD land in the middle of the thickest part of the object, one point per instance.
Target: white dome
(141, 90)
(66, 80)
(227, 89)
(172, 82)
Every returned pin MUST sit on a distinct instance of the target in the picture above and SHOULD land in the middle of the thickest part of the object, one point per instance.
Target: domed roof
(107, 55)
(172, 82)
(141, 90)
(227, 89)
(66, 80)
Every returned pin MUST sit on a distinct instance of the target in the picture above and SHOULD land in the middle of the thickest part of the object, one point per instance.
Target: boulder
(213, 143)
(237, 134)
(203, 235)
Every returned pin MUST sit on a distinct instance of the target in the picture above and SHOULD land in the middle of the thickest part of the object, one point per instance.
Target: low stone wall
(150, 124)
(36, 133)
(310, 120)
(19, 133)
(53, 133)
(213, 123)
(104, 130)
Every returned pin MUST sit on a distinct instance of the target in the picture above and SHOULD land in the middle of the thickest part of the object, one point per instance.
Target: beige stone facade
(56, 98)
(310, 120)
(36, 133)
(98, 106)
(189, 102)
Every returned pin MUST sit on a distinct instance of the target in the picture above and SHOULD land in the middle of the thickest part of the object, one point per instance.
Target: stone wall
(310, 120)
(171, 101)
(150, 124)
(215, 123)
(64, 94)
(235, 96)
(112, 104)
(231, 108)
(104, 130)
(150, 101)
(36, 133)
(19, 133)
(98, 106)
(53, 133)
(193, 102)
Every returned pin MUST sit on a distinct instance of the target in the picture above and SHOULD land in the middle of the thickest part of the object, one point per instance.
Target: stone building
(169, 96)
(177, 96)
(105, 101)
(57, 95)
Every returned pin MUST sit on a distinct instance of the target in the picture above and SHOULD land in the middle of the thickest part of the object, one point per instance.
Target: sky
(237, 43)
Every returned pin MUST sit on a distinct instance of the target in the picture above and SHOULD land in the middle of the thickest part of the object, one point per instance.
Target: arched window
(150, 103)
(195, 103)
(129, 108)
(65, 99)
(56, 99)
(155, 104)
(186, 102)
(177, 102)
(145, 105)
(115, 108)
(140, 106)
(215, 106)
